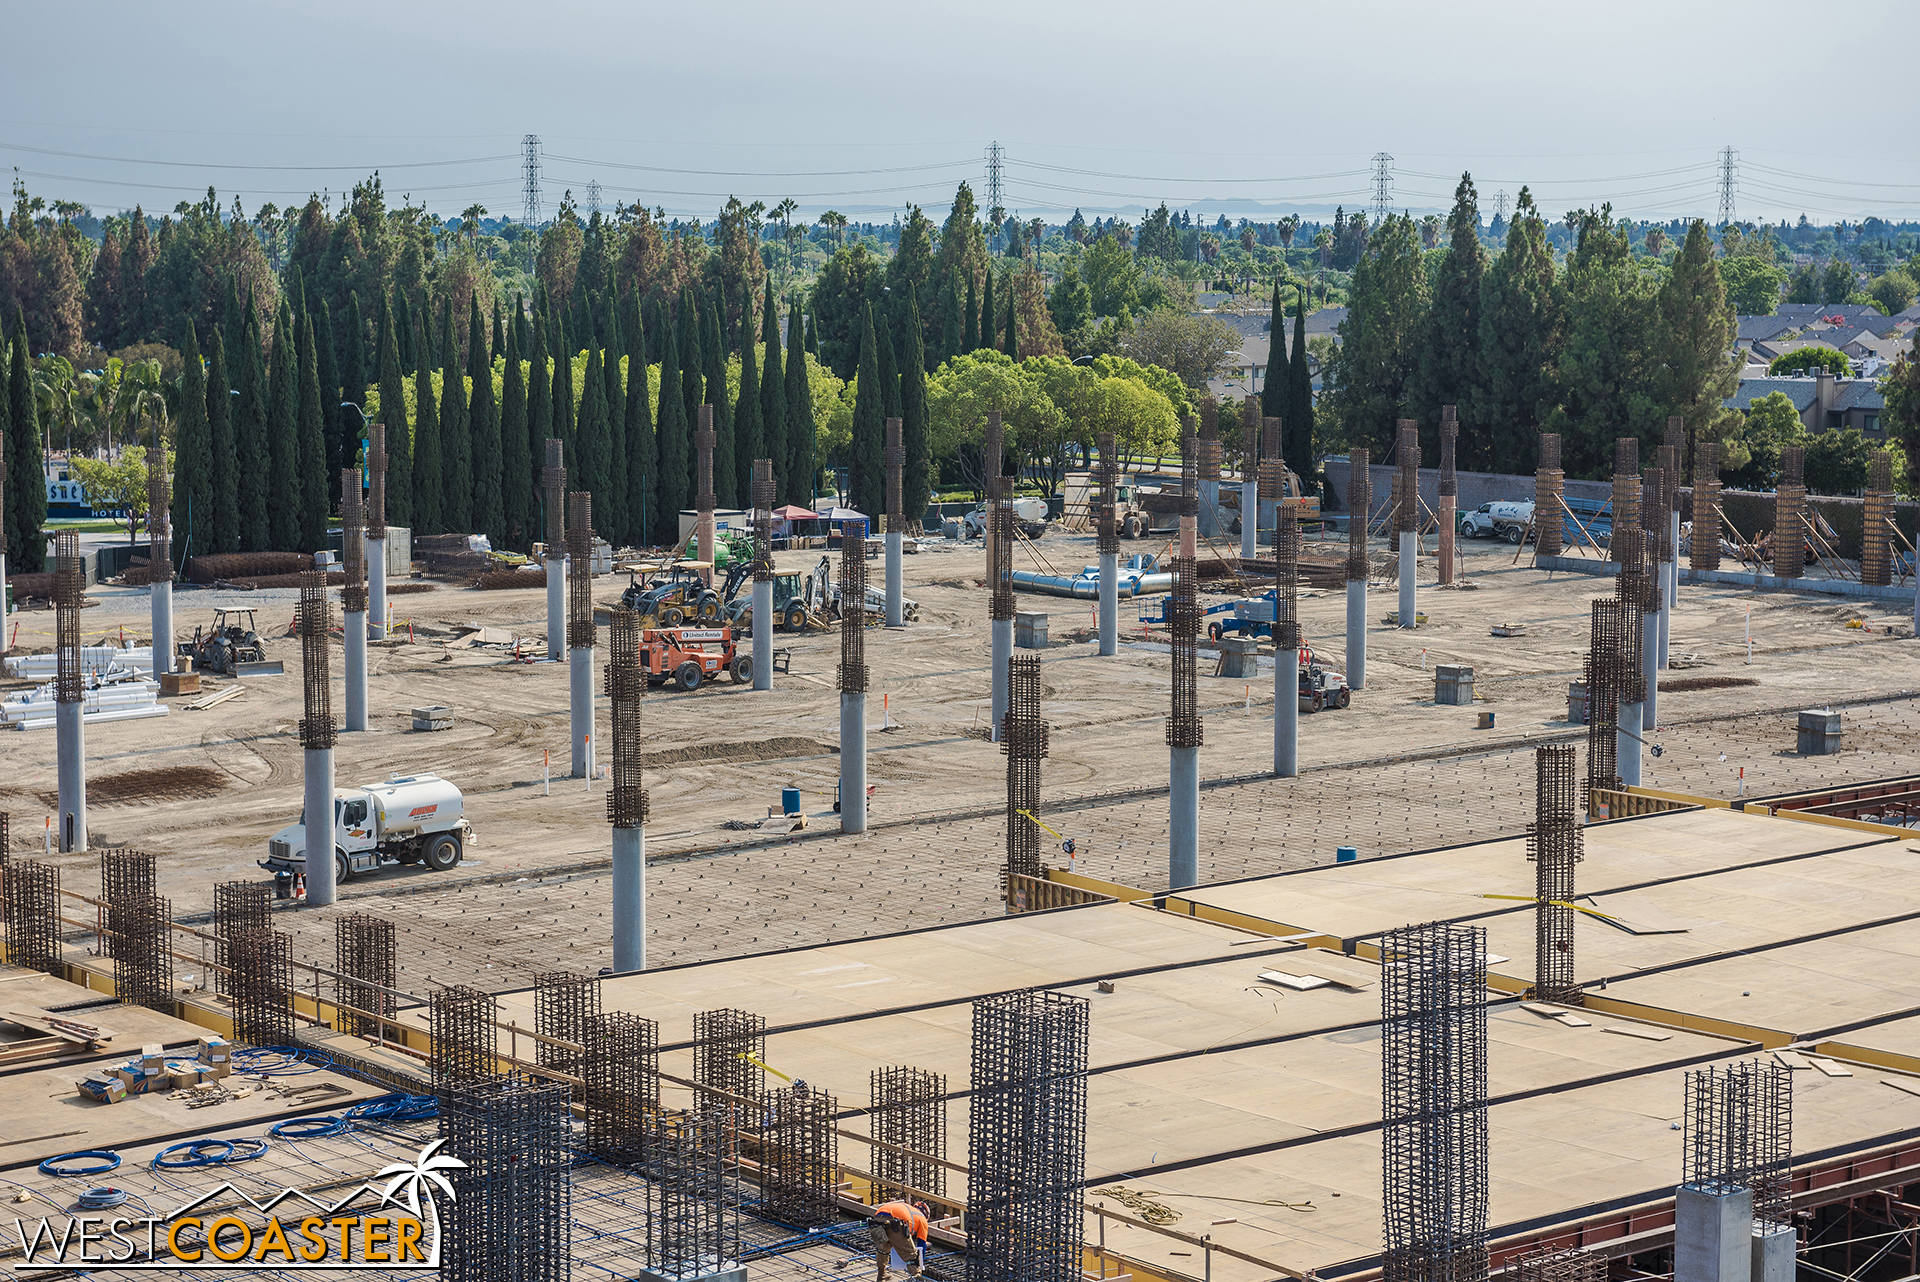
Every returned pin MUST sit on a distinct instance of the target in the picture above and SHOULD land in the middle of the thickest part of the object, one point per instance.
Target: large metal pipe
(1183, 817)
(161, 592)
(354, 624)
(853, 760)
(1286, 713)
(377, 587)
(1650, 669)
(1672, 588)
(896, 617)
(580, 708)
(1409, 561)
(1108, 591)
(317, 820)
(71, 748)
(763, 635)
(1002, 652)
(1084, 587)
(1356, 634)
(1625, 746)
(1249, 514)
(629, 899)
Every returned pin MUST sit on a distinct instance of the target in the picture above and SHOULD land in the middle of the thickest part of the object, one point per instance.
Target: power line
(751, 173)
(1149, 178)
(300, 169)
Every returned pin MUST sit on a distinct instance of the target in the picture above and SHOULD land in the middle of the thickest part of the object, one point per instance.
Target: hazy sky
(866, 107)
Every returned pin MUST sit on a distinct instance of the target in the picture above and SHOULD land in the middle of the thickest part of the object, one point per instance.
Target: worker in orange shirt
(898, 1230)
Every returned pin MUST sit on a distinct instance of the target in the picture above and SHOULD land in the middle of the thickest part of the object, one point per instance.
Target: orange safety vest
(908, 1214)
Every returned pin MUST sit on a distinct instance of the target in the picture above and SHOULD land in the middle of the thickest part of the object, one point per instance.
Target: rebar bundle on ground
(366, 972)
(1548, 482)
(142, 927)
(1024, 741)
(1738, 1133)
(723, 1039)
(509, 1220)
(237, 906)
(692, 1219)
(1027, 1138)
(1703, 550)
(799, 1157)
(623, 1085)
(262, 987)
(909, 1111)
(1554, 844)
(563, 1002)
(1789, 519)
(125, 876)
(1433, 1018)
(460, 1024)
(1560, 1264)
(33, 916)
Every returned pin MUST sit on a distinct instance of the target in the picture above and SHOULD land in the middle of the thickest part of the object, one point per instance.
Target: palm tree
(423, 1170)
(784, 212)
(55, 388)
(836, 222)
(470, 221)
(144, 395)
(1287, 227)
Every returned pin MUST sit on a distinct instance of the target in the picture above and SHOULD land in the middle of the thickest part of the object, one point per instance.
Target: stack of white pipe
(120, 695)
(95, 660)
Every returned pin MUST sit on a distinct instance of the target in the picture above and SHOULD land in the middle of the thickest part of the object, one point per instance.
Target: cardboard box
(213, 1072)
(215, 1050)
(153, 1057)
(181, 1074)
(103, 1090)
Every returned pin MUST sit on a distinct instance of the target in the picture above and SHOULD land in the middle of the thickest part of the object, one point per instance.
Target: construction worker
(899, 1230)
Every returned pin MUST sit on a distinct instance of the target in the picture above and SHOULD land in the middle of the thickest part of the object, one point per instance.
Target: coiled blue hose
(308, 1128)
(208, 1152)
(104, 1160)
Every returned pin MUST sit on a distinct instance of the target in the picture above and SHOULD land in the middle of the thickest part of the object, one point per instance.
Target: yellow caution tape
(1557, 903)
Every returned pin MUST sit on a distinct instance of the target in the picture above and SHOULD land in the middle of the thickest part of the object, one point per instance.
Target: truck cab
(406, 819)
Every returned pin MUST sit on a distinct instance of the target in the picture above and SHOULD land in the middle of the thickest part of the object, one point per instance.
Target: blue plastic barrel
(789, 801)
(1345, 854)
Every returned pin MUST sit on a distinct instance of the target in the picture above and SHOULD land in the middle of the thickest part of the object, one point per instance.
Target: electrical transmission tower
(1382, 186)
(1729, 179)
(1500, 204)
(530, 180)
(996, 195)
(593, 195)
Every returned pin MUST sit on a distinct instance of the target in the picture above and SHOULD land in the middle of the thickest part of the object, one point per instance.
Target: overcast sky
(866, 107)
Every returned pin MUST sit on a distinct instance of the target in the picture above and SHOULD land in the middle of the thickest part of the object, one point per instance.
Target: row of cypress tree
(1288, 393)
(26, 487)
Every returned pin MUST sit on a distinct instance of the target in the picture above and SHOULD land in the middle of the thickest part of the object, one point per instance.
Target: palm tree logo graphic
(423, 1173)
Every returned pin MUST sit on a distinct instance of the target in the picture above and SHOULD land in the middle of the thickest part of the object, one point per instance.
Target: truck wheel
(687, 676)
(443, 852)
(1213, 632)
(1515, 534)
(672, 617)
(743, 669)
(796, 619)
(1346, 697)
(710, 608)
(1129, 529)
(341, 870)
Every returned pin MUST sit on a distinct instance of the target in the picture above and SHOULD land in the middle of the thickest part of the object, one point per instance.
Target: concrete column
(1776, 1253)
(556, 603)
(1650, 668)
(1626, 748)
(1672, 594)
(1109, 602)
(763, 635)
(71, 749)
(1286, 713)
(580, 703)
(1409, 563)
(853, 761)
(629, 899)
(1002, 652)
(354, 632)
(377, 588)
(1209, 509)
(161, 594)
(703, 534)
(1712, 1236)
(5, 609)
(318, 796)
(896, 617)
(1183, 817)
(1447, 534)
(1249, 516)
(1357, 634)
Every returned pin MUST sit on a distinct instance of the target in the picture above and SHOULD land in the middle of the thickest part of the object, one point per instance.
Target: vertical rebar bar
(1554, 844)
(1024, 741)
(366, 971)
(511, 1214)
(460, 1024)
(262, 987)
(909, 1111)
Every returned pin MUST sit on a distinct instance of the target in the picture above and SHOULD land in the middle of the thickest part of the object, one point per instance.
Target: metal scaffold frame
(511, 1220)
(363, 951)
(1024, 741)
(623, 1085)
(262, 987)
(460, 1024)
(1554, 844)
(1433, 1018)
(1027, 1140)
(909, 1111)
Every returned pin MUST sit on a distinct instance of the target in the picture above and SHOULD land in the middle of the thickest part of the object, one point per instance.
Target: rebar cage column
(1024, 741)
(799, 1157)
(353, 595)
(1789, 514)
(1876, 547)
(318, 734)
(703, 442)
(909, 1111)
(1554, 844)
(763, 493)
(1548, 482)
(723, 1040)
(460, 1024)
(511, 1220)
(896, 461)
(580, 632)
(69, 586)
(627, 803)
(125, 875)
(237, 906)
(1107, 543)
(1286, 643)
(160, 557)
(623, 1085)
(1184, 727)
(33, 916)
(365, 973)
(262, 987)
(692, 1220)
(1434, 1097)
(1703, 546)
(563, 1003)
(1027, 1137)
(1407, 524)
(1449, 489)
(142, 927)
(1673, 449)
(1000, 535)
(1738, 1133)
(854, 680)
(553, 483)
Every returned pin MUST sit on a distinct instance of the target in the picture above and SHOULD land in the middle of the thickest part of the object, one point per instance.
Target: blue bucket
(1345, 854)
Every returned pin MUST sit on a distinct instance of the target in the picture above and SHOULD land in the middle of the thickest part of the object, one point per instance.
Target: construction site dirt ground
(203, 790)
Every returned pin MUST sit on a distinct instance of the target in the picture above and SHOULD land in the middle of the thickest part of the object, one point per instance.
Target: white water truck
(408, 819)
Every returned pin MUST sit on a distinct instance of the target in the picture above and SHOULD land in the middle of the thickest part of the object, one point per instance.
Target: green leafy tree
(1805, 360)
(353, 378)
(714, 357)
(1071, 304)
(1892, 291)
(429, 477)
(26, 514)
(562, 425)
(1836, 285)
(849, 281)
(516, 487)
(1297, 429)
(1605, 366)
(1837, 461)
(962, 392)
(1753, 284)
(989, 314)
(485, 512)
(889, 369)
(1011, 347)
(970, 331)
(226, 506)
(286, 492)
(1522, 324)
(1113, 278)
(674, 436)
(867, 482)
(614, 524)
(1693, 334)
(332, 433)
(252, 444)
(773, 399)
(1804, 285)
(118, 483)
(642, 453)
(456, 432)
(803, 470)
(393, 413)
(1753, 446)
(1901, 387)
(193, 492)
(594, 452)
(950, 326)
(749, 439)
(1193, 346)
(539, 425)
(1449, 363)
(314, 487)
(916, 471)
(689, 323)
(1275, 391)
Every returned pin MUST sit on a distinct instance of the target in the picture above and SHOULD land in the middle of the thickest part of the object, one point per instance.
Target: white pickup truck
(406, 819)
(1497, 521)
